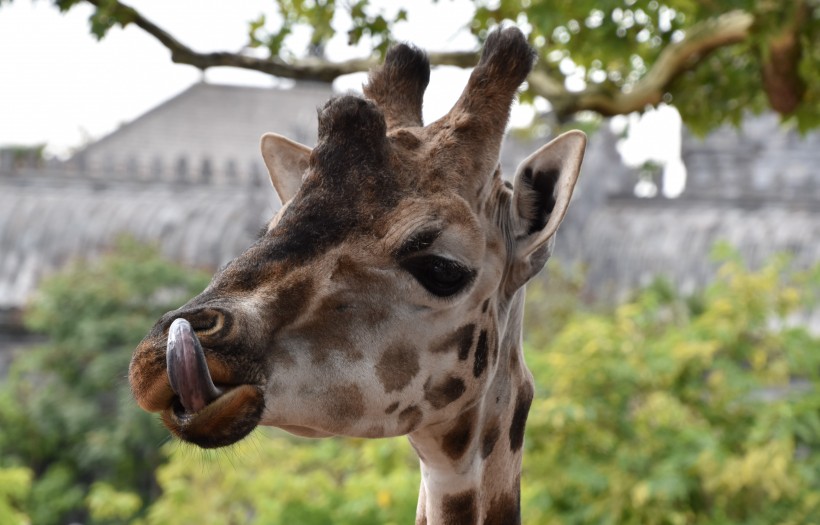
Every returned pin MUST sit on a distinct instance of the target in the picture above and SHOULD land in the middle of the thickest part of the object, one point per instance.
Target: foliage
(606, 48)
(554, 297)
(319, 16)
(14, 487)
(65, 409)
(275, 478)
(673, 412)
(595, 53)
(612, 45)
(105, 503)
(665, 410)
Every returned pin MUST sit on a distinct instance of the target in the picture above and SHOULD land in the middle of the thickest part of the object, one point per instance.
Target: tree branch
(700, 40)
(311, 68)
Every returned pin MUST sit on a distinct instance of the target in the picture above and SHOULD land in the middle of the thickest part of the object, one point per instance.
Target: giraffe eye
(440, 276)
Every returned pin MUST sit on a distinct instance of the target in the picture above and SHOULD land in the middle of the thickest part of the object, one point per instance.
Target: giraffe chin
(224, 421)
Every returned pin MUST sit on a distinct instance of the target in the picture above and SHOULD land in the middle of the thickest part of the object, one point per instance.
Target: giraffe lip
(223, 421)
(199, 411)
(183, 413)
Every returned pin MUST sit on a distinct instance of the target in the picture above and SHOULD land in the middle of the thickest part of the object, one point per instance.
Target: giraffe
(385, 297)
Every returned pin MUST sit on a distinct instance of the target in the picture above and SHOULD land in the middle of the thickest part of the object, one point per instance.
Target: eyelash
(440, 276)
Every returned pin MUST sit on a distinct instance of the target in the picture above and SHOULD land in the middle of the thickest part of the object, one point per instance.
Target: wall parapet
(182, 170)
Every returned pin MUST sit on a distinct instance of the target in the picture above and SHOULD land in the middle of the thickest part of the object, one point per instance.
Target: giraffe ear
(542, 191)
(286, 161)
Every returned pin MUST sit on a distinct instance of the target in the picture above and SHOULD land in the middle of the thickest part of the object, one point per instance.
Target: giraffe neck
(471, 466)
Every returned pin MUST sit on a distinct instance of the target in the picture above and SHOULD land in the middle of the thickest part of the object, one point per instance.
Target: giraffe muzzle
(188, 371)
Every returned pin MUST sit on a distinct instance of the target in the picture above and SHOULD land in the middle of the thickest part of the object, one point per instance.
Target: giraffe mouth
(202, 412)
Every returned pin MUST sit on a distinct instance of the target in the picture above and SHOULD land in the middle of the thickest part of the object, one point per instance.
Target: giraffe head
(375, 301)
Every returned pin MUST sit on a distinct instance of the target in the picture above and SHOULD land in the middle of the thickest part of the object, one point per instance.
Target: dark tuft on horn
(484, 105)
(507, 54)
(351, 119)
(398, 86)
(352, 133)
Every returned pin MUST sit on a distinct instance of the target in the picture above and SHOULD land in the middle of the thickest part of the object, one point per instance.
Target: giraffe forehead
(453, 225)
(323, 215)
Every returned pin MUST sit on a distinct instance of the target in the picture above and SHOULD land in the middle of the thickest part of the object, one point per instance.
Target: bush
(66, 410)
(14, 487)
(681, 412)
(272, 477)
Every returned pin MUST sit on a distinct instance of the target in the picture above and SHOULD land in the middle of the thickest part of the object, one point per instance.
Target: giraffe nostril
(211, 323)
(206, 321)
(212, 326)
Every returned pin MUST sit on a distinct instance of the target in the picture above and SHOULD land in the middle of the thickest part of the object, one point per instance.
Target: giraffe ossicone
(385, 298)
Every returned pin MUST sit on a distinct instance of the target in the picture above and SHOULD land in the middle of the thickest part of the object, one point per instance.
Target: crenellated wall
(761, 162)
(757, 188)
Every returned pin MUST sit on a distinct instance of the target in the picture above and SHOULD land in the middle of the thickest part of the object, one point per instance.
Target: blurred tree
(273, 477)
(669, 411)
(66, 411)
(14, 487)
(714, 61)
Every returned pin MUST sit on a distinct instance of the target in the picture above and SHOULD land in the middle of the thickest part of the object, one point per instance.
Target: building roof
(211, 124)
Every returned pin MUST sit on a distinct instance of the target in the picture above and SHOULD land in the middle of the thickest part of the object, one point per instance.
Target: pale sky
(61, 87)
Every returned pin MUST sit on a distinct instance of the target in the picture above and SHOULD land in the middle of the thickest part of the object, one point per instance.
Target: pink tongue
(187, 370)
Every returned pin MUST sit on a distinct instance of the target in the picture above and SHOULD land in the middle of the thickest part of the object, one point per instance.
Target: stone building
(208, 133)
(757, 188)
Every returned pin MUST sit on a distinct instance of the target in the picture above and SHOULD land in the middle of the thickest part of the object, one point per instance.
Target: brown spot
(409, 418)
(349, 271)
(504, 510)
(444, 393)
(459, 509)
(461, 339)
(465, 341)
(392, 408)
(493, 243)
(291, 301)
(327, 331)
(519, 420)
(343, 308)
(488, 441)
(397, 367)
(344, 405)
(339, 311)
(457, 440)
(480, 354)
(324, 341)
